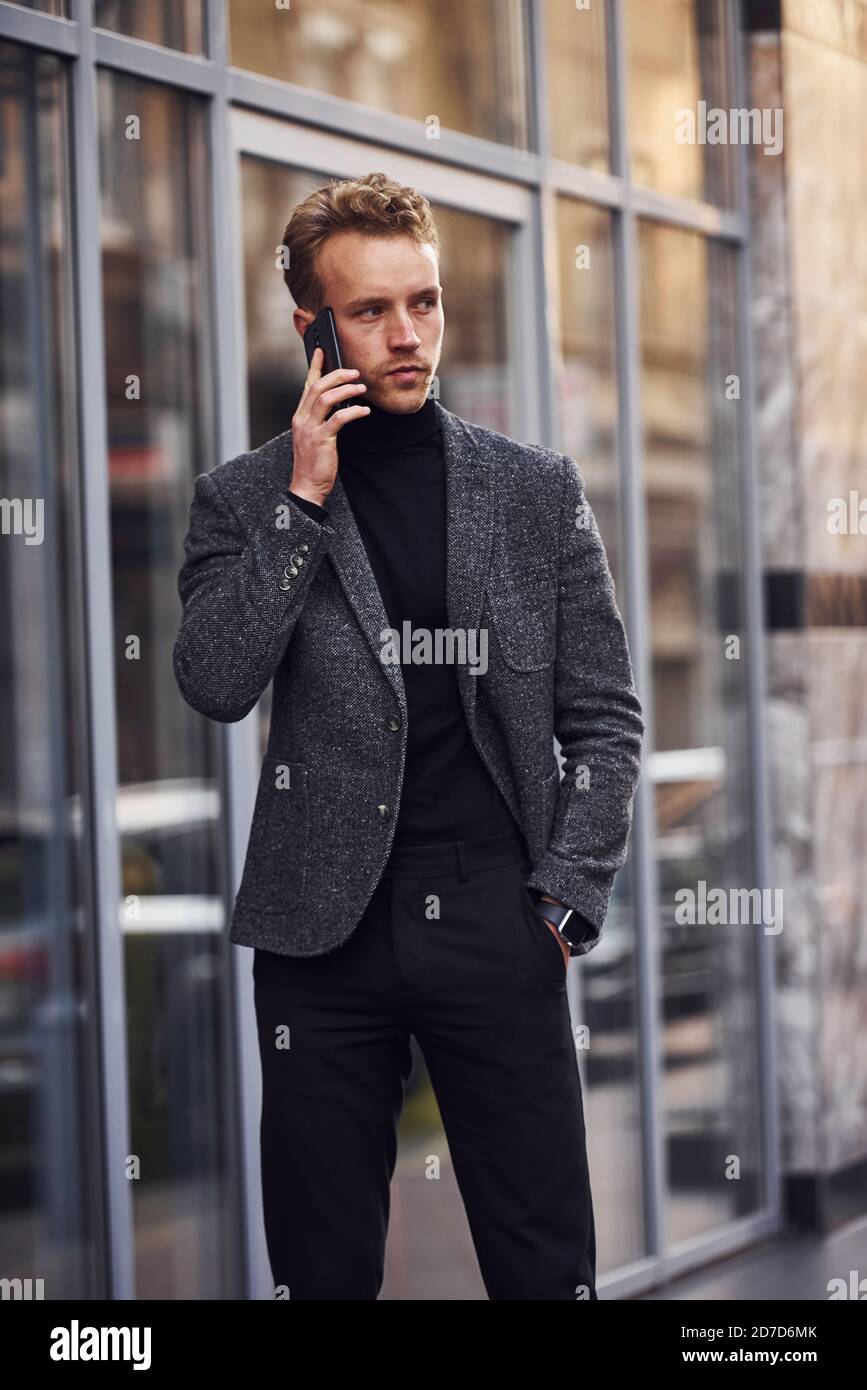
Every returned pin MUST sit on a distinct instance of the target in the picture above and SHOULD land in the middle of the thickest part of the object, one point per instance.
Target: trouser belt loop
(460, 850)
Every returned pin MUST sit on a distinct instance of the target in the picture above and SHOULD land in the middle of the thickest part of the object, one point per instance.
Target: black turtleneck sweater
(393, 471)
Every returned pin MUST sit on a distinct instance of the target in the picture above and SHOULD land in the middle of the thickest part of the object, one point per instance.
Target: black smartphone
(322, 332)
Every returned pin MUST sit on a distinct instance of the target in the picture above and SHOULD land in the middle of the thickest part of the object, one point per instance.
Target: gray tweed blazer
(268, 593)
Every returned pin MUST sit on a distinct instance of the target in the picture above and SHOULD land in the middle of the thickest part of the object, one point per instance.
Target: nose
(402, 334)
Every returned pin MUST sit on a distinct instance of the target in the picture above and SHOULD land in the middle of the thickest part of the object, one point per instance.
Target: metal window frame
(99, 606)
(636, 569)
(542, 178)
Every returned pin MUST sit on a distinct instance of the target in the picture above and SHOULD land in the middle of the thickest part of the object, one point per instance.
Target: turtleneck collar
(384, 431)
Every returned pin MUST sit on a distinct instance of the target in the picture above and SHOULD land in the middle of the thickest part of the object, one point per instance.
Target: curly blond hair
(375, 205)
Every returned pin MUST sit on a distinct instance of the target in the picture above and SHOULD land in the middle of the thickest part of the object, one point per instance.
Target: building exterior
(649, 212)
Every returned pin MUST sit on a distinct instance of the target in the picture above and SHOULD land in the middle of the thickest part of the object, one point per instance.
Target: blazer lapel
(469, 538)
(469, 531)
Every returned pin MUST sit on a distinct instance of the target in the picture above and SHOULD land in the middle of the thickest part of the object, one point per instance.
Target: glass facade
(49, 1143)
(593, 298)
(576, 56)
(49, 1137)
(447, 64)
(678, 63)
(700, 764)
(172, 23)
(55, 7)
(587, 397)
(160, 398)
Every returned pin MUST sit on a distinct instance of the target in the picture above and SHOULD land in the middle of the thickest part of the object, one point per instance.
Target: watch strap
(556, 913)
(570, 924)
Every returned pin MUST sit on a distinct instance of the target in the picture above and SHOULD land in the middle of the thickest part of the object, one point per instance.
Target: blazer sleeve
(240, 599)
(597, 721)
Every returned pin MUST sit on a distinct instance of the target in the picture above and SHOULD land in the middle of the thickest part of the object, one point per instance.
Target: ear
(302, 319)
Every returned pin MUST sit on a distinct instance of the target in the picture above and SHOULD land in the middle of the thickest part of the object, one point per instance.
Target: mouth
(406, 373)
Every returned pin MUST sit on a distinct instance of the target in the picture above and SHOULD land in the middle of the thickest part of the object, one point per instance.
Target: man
(433, 603)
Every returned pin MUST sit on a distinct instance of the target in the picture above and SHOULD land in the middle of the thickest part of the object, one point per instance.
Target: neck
(384, 431)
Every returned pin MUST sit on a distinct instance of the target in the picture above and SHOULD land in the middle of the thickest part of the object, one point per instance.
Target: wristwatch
(561, 917)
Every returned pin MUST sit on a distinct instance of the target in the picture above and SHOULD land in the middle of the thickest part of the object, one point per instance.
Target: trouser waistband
(461, 857)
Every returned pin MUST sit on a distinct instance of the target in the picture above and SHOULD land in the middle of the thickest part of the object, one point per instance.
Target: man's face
(386, 298)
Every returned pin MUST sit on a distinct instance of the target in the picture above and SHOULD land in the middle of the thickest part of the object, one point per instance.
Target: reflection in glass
(676, 51)
(171, 23)
(55, 7)
(473, 382)
(49, 1204)
(474, 378)
(700, 766)
(587, 398)
(575, 59)
(160, 425)
(450, 64)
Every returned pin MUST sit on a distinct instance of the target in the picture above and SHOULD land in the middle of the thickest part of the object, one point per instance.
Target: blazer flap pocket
(274, 868)
(523, 604)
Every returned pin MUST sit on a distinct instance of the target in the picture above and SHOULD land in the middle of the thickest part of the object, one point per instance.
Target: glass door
(488, 376)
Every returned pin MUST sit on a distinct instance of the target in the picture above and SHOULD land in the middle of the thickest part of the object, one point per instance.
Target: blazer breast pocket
(523, 609)
(275, 864)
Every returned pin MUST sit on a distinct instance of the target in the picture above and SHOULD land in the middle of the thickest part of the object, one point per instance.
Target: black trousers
(451, 950)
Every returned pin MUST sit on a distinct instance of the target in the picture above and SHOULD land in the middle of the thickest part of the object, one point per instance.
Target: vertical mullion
(528, 352)
(543, 307)
(754, 627)
(102, 713)
(547, 316)
(528, 338)
(635, 582)
(547, 277)
(240, 760)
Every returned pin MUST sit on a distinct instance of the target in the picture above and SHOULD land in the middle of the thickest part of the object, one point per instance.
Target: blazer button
(290, 570)
(285, 584)
(384, 812)
(392, 722)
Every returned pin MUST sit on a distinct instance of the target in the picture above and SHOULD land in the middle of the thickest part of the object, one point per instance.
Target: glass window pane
(474, 376)
(587, 399)
(48, 1084)
(700, 761)
(160, 425)
(678, 76)
(55, 7)
(172, 23)
(454, 64)
(575, 58)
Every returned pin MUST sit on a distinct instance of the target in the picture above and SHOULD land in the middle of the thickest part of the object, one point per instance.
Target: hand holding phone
(322, 332)
(325, 407)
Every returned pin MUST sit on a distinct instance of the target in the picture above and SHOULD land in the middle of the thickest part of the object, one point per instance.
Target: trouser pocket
(541, 933)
